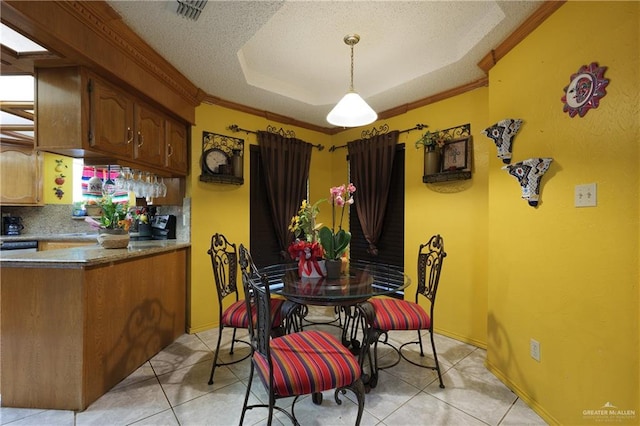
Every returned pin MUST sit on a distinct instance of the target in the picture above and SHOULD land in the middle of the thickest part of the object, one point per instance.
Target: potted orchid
(335, 241)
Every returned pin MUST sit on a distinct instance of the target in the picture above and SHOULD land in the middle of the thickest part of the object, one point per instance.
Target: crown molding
(520, 33)
(93, 35)
(107, 23)
(81, 24)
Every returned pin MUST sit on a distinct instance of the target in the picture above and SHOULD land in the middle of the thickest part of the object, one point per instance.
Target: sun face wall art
(585, 89)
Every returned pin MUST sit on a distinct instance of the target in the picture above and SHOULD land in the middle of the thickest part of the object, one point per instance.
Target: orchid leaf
(334, 245)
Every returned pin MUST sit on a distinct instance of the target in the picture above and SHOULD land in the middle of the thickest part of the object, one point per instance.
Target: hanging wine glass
(136, 183)
(163, 188)
(147, 186)
(157, 189)
(109, 186)
(121, 180)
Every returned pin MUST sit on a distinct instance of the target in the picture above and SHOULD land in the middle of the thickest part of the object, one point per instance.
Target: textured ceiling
(289, 57)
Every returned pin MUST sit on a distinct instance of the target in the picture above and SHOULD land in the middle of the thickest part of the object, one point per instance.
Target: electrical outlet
(534, 349)
(586, 195)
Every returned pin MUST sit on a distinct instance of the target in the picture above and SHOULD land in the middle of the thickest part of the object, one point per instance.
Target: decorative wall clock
(585, 89)
(222, 159)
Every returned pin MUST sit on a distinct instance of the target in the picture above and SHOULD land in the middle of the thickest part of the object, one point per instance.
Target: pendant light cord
(351, 86)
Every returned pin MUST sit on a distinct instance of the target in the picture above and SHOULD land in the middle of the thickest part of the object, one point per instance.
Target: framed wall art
(455, 155)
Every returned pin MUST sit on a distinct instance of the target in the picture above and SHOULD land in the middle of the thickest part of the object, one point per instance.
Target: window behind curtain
(391, 244)
(263, 240)
(264, 246)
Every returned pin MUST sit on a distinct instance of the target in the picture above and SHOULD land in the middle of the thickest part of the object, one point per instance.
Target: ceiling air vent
(190, 9)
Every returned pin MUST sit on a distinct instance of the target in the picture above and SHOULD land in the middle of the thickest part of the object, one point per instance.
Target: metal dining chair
(296, 364)
(224, 261)
(395, 314)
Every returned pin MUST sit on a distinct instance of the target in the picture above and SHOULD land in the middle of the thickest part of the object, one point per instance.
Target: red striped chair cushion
(394, 314)
(236, 314)
(307, 362)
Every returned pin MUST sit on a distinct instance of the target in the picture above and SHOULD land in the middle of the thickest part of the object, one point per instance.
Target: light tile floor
(172, 389)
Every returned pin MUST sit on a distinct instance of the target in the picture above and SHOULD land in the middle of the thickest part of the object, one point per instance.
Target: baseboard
(526, 398)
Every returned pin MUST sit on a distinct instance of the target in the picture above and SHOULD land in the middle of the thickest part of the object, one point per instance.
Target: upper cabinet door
(149, 135)
(177, 146)
(81, 114)
(111, 124)
(20, 176)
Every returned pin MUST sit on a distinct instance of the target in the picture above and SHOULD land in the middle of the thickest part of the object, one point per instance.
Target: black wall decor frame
(233, 149)
(459, 149)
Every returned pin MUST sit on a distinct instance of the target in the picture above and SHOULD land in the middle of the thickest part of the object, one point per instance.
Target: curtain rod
(271, 129)
(367, 134)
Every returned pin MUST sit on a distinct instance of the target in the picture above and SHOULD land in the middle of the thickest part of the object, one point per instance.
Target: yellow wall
(57, 166)
(224, 208)
(566, 276)
(456, 210)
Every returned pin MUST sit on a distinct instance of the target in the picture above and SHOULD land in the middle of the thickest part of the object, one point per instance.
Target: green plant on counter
(114, 215)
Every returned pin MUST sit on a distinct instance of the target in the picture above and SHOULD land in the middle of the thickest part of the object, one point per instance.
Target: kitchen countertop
(79, 236)
(87, 256)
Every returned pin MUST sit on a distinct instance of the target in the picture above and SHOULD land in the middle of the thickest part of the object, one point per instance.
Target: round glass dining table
(358, 282)
(349, 294)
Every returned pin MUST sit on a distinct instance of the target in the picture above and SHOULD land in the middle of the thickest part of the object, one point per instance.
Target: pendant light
(352, 110)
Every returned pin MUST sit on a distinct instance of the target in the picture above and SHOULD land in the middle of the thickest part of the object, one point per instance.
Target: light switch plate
(586, 195)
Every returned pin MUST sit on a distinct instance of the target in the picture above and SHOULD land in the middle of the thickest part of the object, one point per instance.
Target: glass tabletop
(359, 282)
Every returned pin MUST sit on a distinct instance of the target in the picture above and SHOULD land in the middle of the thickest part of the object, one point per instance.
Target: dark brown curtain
(286, 164)
(371, 163)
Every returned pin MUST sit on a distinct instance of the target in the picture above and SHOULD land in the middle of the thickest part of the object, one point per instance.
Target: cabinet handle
(129, 135)
(140, 139)
(170, 153)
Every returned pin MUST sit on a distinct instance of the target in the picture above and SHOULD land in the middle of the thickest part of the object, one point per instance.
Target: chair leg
(420, 341)
(373, 363)
(435, 357)
(359, 390)
(215, 356)
(272, 403)
(246, 396)
(233, 340)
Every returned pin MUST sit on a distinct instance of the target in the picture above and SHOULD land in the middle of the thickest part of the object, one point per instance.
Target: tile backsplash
(57, 219)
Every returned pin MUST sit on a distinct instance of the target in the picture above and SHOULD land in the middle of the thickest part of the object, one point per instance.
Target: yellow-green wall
(57, 166)
(224, 208)
(564, 276)
(456, 210)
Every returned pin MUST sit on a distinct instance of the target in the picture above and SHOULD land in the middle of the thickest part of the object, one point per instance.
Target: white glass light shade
(351, 111)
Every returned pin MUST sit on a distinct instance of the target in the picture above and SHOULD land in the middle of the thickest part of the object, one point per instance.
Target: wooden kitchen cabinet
(20, 176)
(177, 146)
(149, 126)
(111, 126)
(83, 115)
(71, 331)
(56, 245)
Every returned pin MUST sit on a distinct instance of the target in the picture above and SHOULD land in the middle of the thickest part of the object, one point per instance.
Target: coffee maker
(12, 225)
(163, 227)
